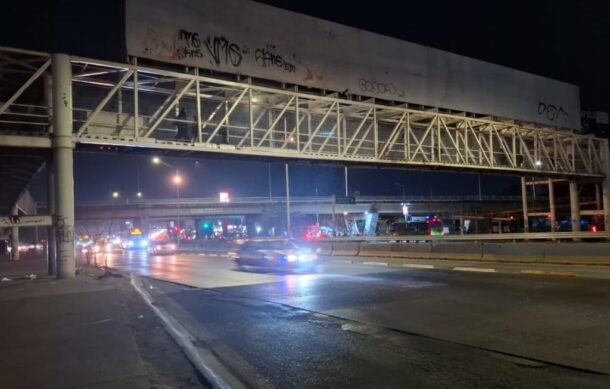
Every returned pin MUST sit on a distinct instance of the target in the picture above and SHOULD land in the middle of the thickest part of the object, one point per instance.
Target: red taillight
(593, 228)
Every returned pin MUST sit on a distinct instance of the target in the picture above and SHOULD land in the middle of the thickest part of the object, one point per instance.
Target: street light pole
(177, 180)
(402, 187)
(288, 202)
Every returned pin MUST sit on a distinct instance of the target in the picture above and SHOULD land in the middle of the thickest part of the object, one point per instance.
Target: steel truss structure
(134, 105)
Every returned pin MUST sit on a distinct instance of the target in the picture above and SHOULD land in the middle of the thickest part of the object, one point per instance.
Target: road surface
(348, 325)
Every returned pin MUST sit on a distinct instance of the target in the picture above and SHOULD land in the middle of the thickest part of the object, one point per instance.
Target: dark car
(275, 255)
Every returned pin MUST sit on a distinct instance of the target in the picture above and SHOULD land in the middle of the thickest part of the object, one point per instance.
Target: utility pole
(346, 183)
(288, 201)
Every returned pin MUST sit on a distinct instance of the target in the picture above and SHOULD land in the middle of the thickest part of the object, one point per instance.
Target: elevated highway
(168, 209)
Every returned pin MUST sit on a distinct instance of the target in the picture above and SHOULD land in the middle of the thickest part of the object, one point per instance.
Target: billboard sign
(251, 39)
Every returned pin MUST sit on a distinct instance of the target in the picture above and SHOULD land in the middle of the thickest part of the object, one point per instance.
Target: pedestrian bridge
(168, 107)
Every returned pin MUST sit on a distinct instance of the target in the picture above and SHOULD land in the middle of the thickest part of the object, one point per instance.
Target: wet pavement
(351, 325)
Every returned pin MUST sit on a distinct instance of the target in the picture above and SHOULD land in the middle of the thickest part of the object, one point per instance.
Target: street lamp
(115, 195)
(139, 195)
(177, 181)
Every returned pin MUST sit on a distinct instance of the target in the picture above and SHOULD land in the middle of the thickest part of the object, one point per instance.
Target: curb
(221, 380)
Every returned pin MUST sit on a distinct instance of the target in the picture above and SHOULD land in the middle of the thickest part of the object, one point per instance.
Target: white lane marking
(417, 266)
(182, 337)
(477, 269)
(549, 273)
(375, 263)
(97, 322)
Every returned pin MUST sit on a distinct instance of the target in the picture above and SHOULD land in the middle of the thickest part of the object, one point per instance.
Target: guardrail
(477, 237)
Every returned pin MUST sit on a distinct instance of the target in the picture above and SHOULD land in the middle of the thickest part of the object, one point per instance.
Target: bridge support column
(526, 221)
(51, 249)
(63, 163)
(574, 206)
(552, 206)
(606, 203)
(15, 238)
(51, 232)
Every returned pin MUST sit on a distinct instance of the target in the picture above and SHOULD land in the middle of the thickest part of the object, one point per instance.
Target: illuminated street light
(344, 213)
(177, 181)
(139, 194)
(538, 163)
(115, 195)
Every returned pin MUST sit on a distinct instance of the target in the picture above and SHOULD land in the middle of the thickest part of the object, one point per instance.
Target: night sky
(564, 40)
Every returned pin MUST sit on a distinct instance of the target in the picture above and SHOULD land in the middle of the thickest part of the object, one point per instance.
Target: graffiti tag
(551, 111)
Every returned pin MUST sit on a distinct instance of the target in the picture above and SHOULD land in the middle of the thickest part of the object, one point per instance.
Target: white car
(163, 248)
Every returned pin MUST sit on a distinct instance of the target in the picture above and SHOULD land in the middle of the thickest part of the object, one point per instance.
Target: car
(163, 248)
(274, 255)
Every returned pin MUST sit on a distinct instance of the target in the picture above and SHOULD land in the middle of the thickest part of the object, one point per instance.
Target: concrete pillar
(461, 225)
(15, 238)
(51, 248)
(526, 222)
(574, 206)
(552, 206)
(606, 203)
(51, 232)
(598, 196)
(63, 163)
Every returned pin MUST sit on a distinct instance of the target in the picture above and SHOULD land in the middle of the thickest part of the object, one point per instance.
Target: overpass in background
(144, 212)
(53, 103)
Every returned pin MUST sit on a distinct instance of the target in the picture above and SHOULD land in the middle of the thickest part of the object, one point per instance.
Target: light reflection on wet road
(552, 319)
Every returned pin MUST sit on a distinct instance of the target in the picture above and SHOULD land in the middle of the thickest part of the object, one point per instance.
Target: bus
(418, 226)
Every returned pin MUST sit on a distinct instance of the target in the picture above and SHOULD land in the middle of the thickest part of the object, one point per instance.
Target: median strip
(476, 269)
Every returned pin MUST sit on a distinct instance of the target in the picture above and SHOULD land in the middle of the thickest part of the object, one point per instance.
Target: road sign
(345, 200)
(25, 221)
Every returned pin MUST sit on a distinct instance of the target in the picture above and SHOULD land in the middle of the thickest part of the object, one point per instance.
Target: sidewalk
(91, 331)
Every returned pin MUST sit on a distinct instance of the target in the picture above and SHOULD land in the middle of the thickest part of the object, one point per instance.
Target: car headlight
(144, 243)
(130, 243)
(291, 257)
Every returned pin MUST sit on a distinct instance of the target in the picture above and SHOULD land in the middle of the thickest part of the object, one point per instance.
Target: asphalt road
(348, 325)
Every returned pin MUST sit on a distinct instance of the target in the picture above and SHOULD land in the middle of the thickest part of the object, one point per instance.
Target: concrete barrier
(375, 250)
(346, 248)
(411, 250)
(321, 248)
(467, 251)
(514, 252)
(577, 253)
